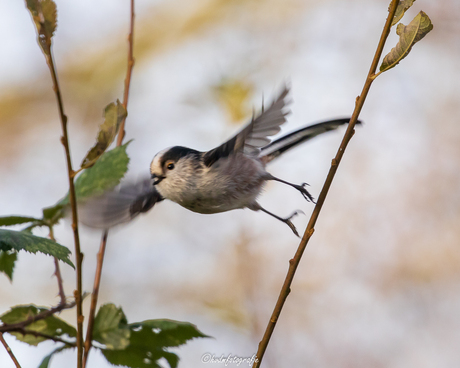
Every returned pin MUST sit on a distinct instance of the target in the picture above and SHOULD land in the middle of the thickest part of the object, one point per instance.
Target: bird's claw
(302, 189)
(288, 222)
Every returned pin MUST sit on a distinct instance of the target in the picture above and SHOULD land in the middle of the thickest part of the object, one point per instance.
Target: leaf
(148, 342)
(44, 15)
(46, 360)
(110, 327)
(114, 115)
(7, 261)
(105, 174)
(52, 325)
(54, 214)
(401, 9)
(408, 37)
(30, 243)
(16, 220)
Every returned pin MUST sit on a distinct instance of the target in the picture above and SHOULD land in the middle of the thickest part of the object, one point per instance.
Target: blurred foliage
(96, 76)
(233, 95)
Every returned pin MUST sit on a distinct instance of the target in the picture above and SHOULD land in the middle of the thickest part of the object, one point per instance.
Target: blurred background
(379, 283)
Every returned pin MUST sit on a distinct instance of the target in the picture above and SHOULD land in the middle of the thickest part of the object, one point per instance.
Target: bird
(228, 177)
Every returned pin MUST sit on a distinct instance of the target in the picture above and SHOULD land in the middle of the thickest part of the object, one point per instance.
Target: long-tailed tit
(228, 177)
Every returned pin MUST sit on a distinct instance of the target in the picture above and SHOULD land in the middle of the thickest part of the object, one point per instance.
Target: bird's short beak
(157, 178)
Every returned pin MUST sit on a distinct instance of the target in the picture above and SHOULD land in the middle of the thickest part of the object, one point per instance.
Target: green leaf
(52, 325)
(148, 343)
(401, 9)
(16, 220)
(104, 175)
(44, 15)
(53, 214)
(30, 243)
(7, 261)
(46, 360)
(408, 37)
(110, 327)
(114, 115)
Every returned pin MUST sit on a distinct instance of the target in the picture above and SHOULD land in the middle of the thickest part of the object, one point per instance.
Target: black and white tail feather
(252, 143)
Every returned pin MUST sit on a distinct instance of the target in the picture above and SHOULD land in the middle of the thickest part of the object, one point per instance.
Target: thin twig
(73, 204)
(101, 253)
(42, 315)
(10, 352)
(294, 262)
(129, 71)
(94, 296)
(57, 272)
(23, 331)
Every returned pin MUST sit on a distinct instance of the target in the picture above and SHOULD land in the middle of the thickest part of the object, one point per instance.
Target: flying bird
(228, 177)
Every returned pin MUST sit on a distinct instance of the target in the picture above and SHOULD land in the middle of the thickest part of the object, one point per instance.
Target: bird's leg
(286, 220)
(301, 188)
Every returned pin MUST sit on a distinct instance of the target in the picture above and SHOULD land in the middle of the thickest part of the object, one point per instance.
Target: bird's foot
(288, 222)
(302, 189)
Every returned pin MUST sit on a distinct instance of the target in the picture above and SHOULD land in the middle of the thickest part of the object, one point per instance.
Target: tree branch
(121, 135)
(129, 71)
(294, 262)
(73, 204)
(57, 272)
(94, 296)
(42, 315)
(23, 331)
(10, 352)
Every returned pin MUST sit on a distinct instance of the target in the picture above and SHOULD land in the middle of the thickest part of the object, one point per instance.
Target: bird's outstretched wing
(120, 205)
(255, 134)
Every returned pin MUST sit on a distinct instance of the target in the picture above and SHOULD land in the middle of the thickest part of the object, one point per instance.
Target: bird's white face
(171, 171)
(156, 165)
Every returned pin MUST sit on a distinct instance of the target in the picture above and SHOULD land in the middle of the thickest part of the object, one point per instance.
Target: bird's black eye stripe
(170, 166)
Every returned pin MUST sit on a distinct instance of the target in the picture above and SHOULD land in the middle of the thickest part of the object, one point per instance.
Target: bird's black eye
(170, 166)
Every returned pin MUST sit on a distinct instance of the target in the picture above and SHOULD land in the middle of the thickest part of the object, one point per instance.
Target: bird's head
(173, 162)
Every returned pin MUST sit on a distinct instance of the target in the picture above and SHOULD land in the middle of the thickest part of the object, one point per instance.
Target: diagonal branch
(23, 331)
(42, 315)
(121, 135)
(10, 352)
(294, 262)
(94, 296)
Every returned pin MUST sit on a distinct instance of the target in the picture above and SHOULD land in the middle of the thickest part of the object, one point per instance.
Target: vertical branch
(121, 135)
(129, 71)
(10, 352)
(73, 204)
(294, 262)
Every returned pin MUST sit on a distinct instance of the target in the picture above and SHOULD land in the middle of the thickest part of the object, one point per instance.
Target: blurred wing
(119, 206)
(254, 135)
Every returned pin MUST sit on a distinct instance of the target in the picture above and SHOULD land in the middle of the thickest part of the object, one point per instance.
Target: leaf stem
(10, 352)
(73, 204)
(294, 262)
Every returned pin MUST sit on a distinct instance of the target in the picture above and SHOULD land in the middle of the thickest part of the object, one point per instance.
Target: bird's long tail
(285, 143)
